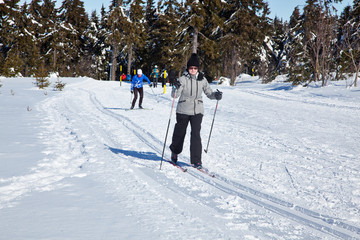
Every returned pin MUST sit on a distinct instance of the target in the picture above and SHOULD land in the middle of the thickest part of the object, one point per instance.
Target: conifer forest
(318, 42)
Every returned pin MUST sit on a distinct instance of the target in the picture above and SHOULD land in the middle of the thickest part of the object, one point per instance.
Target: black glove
(218, 95)
(132, 91)
(177, 84)
(150, 85)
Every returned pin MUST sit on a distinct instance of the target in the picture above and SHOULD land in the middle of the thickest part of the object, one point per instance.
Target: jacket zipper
(191, 86)
(191, 89)
(196, 94)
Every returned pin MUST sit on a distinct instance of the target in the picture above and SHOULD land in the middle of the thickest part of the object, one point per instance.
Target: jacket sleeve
(133, 83)
(147, 79)
(207, 89)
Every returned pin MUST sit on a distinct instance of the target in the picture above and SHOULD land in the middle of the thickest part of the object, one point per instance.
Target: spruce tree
(194, 18)
(10, 18)
(33, 33)
(47, 43)
(274, 62)
(342, 61)
(319, 35)
(135, 35)
(164, 36)
(295, 50)
(115, 36)
(209, 48)
(243, 34)
(103, 45)
(199, 33)
(95, 48)
(356, 41)
(73, 23)
(150, 13)
(150, 49)
(182, 41)
(350, 41)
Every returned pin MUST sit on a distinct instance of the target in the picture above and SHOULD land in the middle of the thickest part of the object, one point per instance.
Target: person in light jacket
(190, 108)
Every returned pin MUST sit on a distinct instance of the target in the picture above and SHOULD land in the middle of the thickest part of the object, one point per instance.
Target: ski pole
(207, 147)
(152, 91)
(167, 130)
(154, 94)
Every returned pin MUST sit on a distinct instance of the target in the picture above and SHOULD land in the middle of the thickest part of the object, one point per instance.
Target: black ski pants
(156, 79)
(141, 92)
(178, 137)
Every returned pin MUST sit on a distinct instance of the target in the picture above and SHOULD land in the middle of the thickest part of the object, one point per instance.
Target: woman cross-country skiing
(137, 87)
(190, 87)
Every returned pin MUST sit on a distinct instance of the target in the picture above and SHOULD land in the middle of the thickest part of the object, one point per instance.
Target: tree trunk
(233, 66)
(195, 40)
(54, 60)
(357, 75)
(114, 63)
(54, 53)
(26, 74)
(129, 58)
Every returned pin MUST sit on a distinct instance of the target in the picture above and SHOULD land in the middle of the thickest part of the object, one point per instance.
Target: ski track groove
(320, 222)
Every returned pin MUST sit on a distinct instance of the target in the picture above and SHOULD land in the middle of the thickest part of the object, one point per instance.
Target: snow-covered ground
(77, 165)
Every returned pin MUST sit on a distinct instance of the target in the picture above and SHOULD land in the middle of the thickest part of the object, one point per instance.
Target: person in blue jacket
(137, 87)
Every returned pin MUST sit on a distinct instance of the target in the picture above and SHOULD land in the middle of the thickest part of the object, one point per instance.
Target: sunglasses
(193, 68)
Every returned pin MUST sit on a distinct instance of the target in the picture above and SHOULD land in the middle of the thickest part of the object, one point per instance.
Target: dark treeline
(230, 37)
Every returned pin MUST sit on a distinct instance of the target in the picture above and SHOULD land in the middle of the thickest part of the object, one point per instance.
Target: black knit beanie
(193, 61)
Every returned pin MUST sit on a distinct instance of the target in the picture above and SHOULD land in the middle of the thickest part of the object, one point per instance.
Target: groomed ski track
(106, 124)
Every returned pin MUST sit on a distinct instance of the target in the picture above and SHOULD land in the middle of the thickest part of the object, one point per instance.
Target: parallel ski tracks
(318, 221)
(300, 214)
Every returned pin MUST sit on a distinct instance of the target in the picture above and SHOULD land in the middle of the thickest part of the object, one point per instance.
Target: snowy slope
(77, 165)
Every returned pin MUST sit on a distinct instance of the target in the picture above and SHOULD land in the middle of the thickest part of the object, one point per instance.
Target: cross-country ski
(176, 165)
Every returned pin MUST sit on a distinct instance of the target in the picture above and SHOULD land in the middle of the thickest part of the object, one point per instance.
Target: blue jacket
(137, 81)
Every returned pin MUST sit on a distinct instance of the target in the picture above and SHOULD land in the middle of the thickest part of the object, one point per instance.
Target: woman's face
(193, 70)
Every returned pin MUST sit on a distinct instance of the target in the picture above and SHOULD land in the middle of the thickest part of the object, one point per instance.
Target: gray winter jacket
(190, 92)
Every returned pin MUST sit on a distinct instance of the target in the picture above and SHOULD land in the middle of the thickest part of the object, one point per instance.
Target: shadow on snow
(136, 154)
(149, 156)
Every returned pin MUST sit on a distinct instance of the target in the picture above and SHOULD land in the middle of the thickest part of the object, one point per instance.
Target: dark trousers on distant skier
(141, 93)
(155, 81)
(178, 137)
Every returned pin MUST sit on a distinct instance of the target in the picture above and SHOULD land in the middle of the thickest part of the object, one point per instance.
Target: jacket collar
(198, 76)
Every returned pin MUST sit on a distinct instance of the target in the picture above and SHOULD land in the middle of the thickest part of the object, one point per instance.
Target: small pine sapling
(41, 77)
(59, 85)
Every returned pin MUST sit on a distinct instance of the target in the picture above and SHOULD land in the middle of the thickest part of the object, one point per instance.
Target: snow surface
(76, 165)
